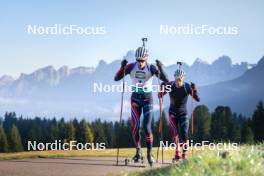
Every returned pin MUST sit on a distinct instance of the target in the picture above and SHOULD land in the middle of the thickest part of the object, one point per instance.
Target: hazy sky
(126, 21)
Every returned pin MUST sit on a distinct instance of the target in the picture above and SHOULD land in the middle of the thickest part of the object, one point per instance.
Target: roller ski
(176, 159)
(127, 161)
(134, 160)
(138, 158)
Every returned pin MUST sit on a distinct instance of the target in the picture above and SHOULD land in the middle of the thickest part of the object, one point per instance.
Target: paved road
(67, 167)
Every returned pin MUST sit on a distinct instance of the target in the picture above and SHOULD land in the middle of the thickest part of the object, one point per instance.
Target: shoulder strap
(184, 86)
(173, 83)
(189, 89)
(148, 67)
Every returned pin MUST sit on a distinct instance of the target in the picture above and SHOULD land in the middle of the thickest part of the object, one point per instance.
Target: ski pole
(192, 118)
(160, 123)
(160, 131)
(120, 118)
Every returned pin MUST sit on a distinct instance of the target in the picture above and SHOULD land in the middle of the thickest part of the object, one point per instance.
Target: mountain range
(242, 93)
(70, 92)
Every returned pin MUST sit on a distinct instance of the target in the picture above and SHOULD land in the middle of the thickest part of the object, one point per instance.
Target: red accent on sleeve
(120, 72)
(129, 67)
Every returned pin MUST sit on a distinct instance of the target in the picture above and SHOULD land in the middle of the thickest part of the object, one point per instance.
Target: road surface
(88, 166)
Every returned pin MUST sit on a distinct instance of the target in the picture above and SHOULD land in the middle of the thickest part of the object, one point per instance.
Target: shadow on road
(86, 159)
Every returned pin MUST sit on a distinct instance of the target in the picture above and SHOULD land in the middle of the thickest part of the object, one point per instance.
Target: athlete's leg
(148, 115)
(184, 124)
(174, 133)
(136, 110)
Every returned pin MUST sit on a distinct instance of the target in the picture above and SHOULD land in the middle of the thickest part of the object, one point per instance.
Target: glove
(193, 86)
(160, 94)
(124, 63)
(159, 64)
(194, 92)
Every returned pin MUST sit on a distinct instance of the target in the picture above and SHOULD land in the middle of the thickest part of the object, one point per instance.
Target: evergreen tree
(54, 133)
(45, 130)
(39, 129)
(86, 134)
(32, 134)
(90, 136)
(15, 140)
(220, 124)
(3, 141)
(10, 119)
(202, 122)
(233, 132)
(240, 120)
(109, 132)
(1, 122)
(123, 134)
(76, 126)
(247, 134)
(62, 129)
(258, 122)
(116, 132)
(69, 131)
(98, 132)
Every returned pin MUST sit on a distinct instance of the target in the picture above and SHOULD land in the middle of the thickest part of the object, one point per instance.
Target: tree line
(220, 125)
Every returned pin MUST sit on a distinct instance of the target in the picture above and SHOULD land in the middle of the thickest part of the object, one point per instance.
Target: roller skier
(178, 91)
(141, 74)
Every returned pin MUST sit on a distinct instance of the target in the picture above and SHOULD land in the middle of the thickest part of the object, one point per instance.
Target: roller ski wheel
(142, 160)
(137, 159)
(127, 161)
(150, 160)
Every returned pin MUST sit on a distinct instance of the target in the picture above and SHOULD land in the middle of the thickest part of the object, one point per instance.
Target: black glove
(193, 86)
(159, 64)
(124, 63)
(194, 92)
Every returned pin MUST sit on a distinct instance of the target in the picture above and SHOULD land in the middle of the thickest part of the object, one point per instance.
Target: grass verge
(247, 160)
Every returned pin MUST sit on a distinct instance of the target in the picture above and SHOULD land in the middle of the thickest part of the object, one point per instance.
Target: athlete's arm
(154, 71)
(194, 92)
(120, 73)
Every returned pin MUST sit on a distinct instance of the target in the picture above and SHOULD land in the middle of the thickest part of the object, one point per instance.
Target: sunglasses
(141, 61)
(179, 79)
